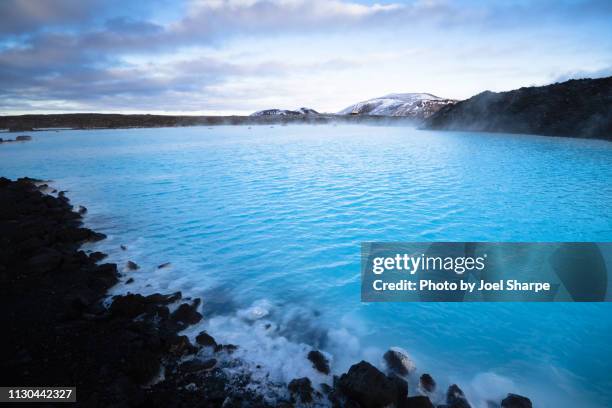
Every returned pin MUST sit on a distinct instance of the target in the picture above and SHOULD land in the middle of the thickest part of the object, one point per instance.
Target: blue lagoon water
(265, 225)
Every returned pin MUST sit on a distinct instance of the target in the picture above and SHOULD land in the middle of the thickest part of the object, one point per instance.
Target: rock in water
(427, 383)
(206, 340)
(319, 362)
(186, 314)
(398, 362)
(369, 387)
(301, 389)
(418, 402)
(164, 265)
(516, 401)
(23, 138)
(402, 389)
(132, 266)
(455, 398)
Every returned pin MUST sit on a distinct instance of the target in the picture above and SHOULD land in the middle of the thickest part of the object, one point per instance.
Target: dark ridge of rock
(301, 389)
(427, 383)
(206, 340)
(398, 362)
(193, 366)
(97, 256)
(132, 266)
(187, 314)
(56, 330)
(23, 138)
(455, 398)
(402, 389)
(516, 401)
(575, 108)
(418, 402)
(367, 386)
(117, 121)
(319, 362)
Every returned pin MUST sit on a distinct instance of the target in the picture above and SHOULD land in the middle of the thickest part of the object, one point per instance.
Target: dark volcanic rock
(193, 366)
(401, 387)
(369, 387)
(427, 383)
(455, 398)
(301, 389)
(575, 108)
(516, 401)
(418, 402)
(56, 330)
(319, 361)
(206, 340)
(398, 362)
(97, 256)
(132, 266)
(187, 314)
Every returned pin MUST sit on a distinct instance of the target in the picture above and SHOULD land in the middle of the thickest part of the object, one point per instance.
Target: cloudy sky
(238, 56)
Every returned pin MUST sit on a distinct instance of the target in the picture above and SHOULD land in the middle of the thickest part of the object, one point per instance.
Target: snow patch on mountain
(415, 105)
(285, 112)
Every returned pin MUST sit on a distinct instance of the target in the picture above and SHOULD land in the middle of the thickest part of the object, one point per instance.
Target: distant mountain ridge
(285, 112)
(413, 105)
(578, 108)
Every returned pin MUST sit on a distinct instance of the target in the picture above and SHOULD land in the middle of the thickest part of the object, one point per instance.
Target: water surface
(268, 221)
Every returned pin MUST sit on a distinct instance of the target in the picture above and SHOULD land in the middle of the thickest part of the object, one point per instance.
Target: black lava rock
(319, 361)
(427, 383)
(455, 398)
(301, 389)
(206, 340)
(516, 401)
(367, 386)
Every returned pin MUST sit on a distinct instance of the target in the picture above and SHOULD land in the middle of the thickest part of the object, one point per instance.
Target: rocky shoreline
(66, 121)
(129, 352)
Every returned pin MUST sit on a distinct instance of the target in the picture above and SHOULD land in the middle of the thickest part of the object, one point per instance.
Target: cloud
(102, 54)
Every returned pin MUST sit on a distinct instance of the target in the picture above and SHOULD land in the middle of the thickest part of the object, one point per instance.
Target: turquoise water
(265, 224)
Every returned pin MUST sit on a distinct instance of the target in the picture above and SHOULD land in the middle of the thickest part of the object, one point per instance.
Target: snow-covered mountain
(415, 105)
(285, 112)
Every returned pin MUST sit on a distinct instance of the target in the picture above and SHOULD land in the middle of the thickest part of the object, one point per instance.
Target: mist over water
(265, 225)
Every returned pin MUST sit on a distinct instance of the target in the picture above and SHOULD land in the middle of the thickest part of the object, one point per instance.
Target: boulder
(455, 398)
(516, 401)
(402, 389)
(206, 340)
(427, 383)
(367, 386)
(132, 266)
(319, 362)
(418, 402)
(186, 314)
(398, 362)
(97, 256)
(301, 389)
